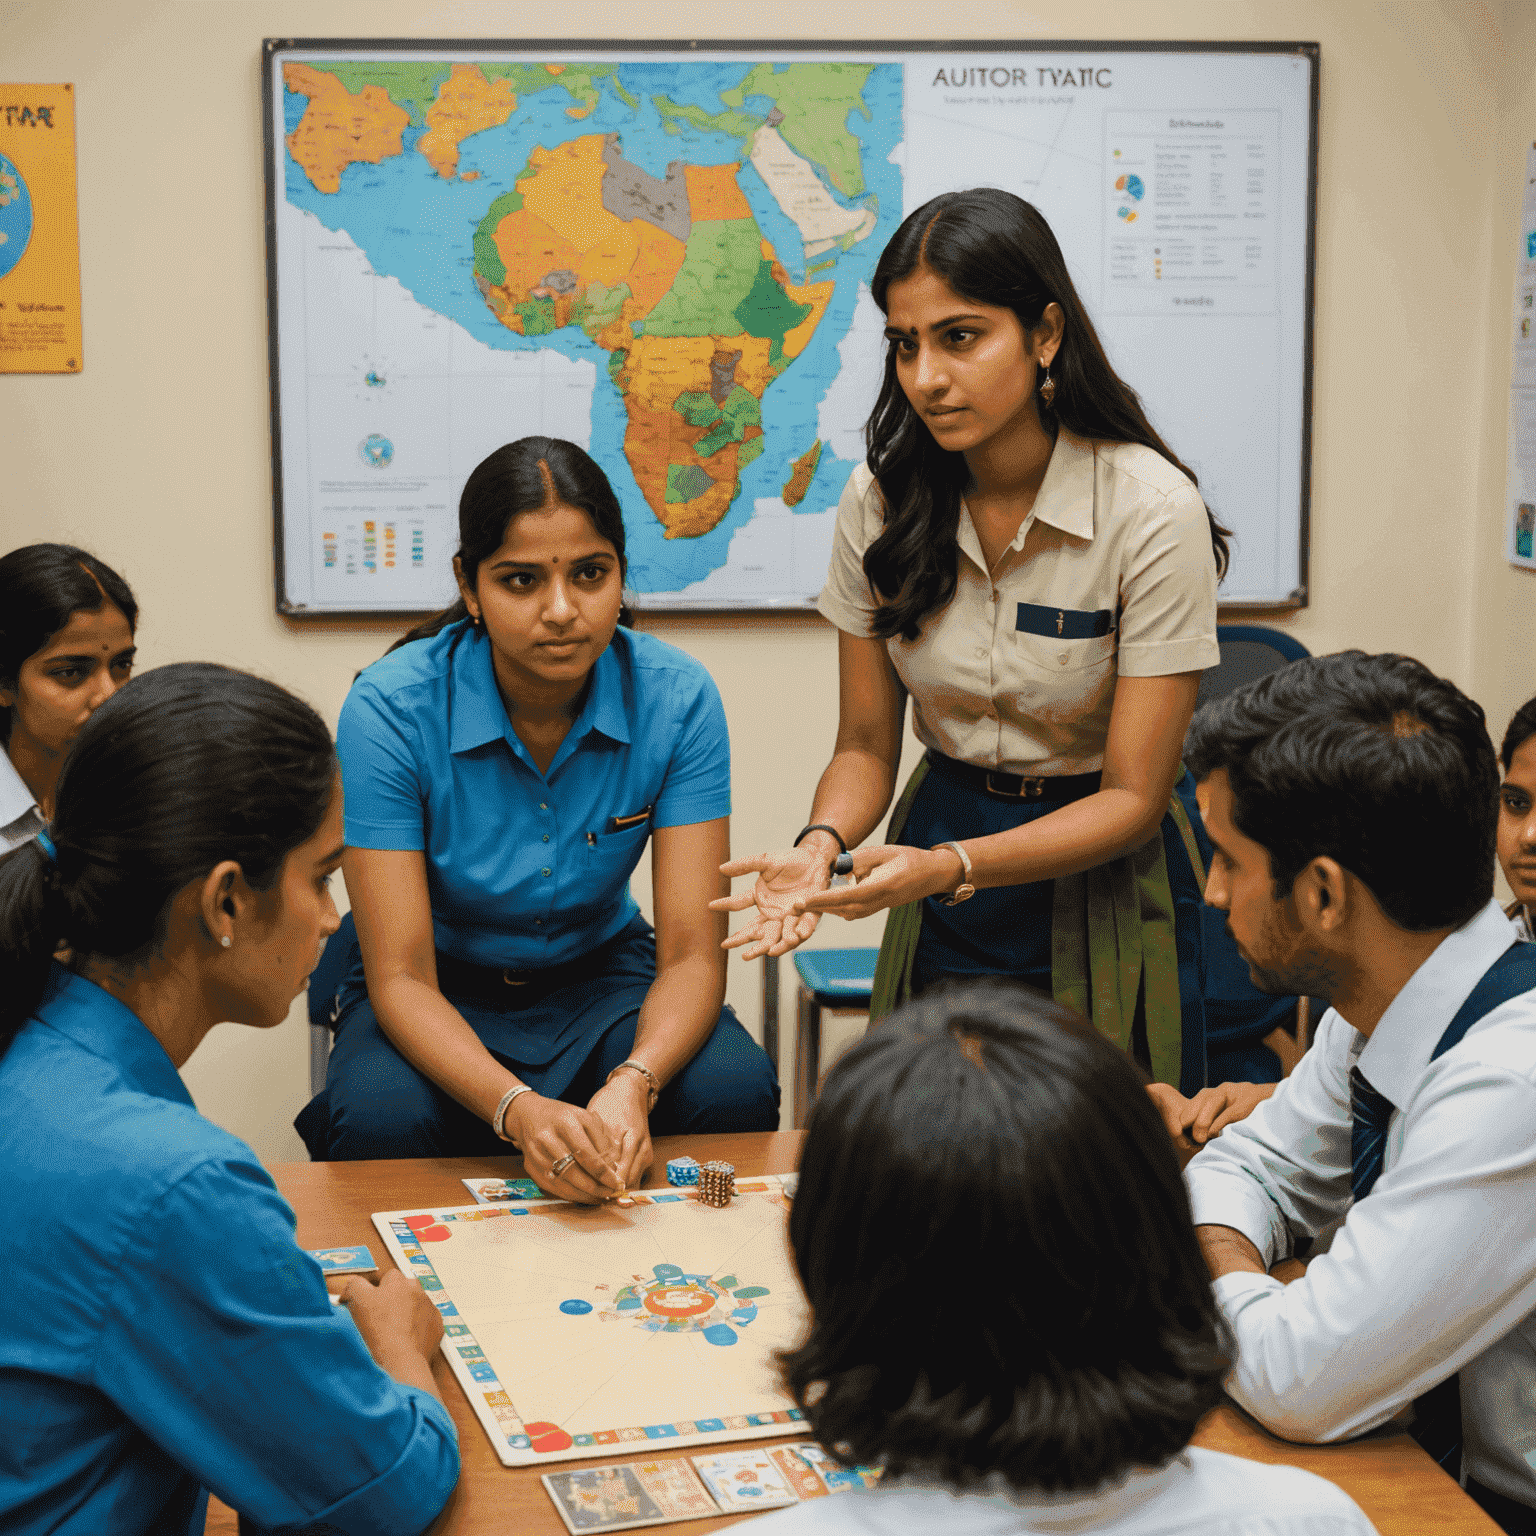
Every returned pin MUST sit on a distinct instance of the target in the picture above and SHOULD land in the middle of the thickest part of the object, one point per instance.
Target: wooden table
(1391, 1479)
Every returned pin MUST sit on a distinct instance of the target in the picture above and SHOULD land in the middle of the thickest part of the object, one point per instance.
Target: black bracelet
(821, 826)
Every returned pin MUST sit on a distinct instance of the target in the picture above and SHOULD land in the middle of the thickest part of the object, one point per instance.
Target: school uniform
(163, 1336)
(1200, 1493)
(540, 945)
(1420, 1141)
(1111, 574)
(20, 818)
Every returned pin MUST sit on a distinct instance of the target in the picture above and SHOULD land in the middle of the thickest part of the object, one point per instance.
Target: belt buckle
(1029, 789)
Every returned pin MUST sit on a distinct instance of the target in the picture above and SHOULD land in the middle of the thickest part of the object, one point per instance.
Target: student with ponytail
(1025, 557)
(166, 1337)
(506, 766)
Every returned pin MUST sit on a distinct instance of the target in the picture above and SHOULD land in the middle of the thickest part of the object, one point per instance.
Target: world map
(703, 232)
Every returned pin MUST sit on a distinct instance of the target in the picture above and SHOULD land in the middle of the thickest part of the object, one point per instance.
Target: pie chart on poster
(15, 216)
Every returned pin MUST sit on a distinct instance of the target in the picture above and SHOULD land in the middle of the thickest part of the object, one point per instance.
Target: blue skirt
(1006, 930)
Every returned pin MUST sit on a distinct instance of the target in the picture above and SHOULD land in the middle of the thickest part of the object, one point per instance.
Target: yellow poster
(39, 231)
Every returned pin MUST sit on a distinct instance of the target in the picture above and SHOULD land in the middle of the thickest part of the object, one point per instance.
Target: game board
(579, 1330)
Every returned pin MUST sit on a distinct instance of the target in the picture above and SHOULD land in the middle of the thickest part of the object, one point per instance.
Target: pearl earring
(226, 941)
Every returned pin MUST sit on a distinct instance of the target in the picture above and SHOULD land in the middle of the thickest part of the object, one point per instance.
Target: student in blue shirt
(505, 767)
(163, 1335)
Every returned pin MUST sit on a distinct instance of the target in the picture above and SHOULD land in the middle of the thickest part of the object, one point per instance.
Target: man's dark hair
(1521, 728)
(1372, 761)
(996, 1246)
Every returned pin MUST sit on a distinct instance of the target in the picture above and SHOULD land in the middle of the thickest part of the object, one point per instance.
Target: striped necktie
(1370, 1110)
(1437, 1413)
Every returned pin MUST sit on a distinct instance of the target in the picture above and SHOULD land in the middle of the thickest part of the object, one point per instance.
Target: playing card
(633, 1494)
(504, 1191)
(742, 1480)
(837, 1477)
(798, 1471)
(344, 1261)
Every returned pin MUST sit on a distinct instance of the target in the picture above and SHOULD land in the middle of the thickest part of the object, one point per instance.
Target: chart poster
(39, 231)
(665, 252)
(1520, 477)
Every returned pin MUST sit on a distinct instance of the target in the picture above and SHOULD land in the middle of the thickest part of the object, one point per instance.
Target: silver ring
(556, 1169)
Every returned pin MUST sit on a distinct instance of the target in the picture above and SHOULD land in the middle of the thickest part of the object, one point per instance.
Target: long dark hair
(41, 586)
(184, 767)
(996, 1245)
(512, 480)
(992, 248)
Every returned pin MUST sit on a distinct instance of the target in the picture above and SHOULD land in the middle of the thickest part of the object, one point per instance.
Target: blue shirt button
(545, 873)
(546, 837)
(543, 806)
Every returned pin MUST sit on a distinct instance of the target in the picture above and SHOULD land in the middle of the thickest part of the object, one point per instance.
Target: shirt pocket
(1066, 680)
(622, 834)
(1060, 640)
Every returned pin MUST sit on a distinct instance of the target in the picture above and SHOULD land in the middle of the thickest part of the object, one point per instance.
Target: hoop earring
(1047, 385)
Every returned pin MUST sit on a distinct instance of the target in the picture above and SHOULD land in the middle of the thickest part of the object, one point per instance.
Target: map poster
(664, 253)
(39, 231)
(1520, 477)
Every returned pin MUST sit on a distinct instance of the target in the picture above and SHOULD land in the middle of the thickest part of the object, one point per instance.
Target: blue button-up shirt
(529, 869)
(162, 1334)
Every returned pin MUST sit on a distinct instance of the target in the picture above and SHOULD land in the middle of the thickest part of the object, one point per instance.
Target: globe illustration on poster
(15, 216)
(376, 452)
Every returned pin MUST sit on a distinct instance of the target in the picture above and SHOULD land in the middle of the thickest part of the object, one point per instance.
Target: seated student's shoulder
(1202, 1493)
(659, 673)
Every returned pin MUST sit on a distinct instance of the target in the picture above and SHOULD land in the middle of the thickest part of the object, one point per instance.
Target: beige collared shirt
(1110, 574)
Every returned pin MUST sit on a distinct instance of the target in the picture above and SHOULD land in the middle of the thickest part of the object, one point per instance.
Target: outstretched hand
(886, 875)
(784, 878)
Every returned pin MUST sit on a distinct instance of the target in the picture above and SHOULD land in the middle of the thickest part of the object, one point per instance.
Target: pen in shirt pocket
(621, 824)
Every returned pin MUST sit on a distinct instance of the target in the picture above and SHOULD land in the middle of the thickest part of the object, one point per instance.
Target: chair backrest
(1248, 651)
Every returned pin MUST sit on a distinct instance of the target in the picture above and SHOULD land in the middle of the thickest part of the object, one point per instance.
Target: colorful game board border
(510, 1436)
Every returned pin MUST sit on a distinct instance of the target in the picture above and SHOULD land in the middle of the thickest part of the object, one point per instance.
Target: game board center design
(715, 1306)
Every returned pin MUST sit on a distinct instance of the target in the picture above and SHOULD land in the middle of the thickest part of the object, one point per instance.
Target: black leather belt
(509, 988)
(1015, 786)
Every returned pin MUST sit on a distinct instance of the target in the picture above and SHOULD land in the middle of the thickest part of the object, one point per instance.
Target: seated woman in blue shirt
(164, 1335)
(504, 768)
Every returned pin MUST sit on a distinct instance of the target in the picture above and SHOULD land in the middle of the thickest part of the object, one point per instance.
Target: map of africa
(697, 236)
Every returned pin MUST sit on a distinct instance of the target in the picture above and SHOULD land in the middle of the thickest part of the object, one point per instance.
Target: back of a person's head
(996, 1246)
(185, 767)
(1372, 761)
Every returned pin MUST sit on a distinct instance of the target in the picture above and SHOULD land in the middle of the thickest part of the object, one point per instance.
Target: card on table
(504, 1191)
(743, 1480)
(834, 1474)
(344, 1261)
(634, 1494)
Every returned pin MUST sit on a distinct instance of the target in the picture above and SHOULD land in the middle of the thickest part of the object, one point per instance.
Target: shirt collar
(15, 798)
(479, 715)
(98, 1023)
(1397, 1054)
(1064, 500)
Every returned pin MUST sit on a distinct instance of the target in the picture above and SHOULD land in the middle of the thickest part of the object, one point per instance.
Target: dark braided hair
(185, 767)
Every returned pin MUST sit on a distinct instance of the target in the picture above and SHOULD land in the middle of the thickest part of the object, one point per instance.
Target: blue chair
(836, 979)
(324, 982)
(1239, 1019)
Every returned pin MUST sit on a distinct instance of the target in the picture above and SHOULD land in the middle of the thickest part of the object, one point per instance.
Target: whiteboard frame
(757, 48)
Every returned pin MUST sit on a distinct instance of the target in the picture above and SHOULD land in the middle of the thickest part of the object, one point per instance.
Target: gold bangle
(652, 1081)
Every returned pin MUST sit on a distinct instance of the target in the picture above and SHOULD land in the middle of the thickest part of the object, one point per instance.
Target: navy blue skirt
(1006, 930)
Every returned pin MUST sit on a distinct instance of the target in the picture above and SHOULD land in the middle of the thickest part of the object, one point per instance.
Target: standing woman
(66, 646)
(1026, 558)
(505, 767)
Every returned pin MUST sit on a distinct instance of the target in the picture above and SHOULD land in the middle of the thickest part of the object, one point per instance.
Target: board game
(578, 1330)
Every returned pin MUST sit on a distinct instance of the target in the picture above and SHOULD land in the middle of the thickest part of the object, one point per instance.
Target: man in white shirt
(1352, 803)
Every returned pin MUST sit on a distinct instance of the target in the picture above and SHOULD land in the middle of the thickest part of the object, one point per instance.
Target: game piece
(548, 1307)
(745, 1480)
(632, 1494)
(344, 1261)
(682, 1171)
(717, 1183)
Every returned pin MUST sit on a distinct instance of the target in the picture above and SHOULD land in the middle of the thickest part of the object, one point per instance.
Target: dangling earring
(226, 941)
(1047, 385)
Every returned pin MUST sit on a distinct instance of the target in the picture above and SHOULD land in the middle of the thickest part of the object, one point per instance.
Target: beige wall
(156, 456)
